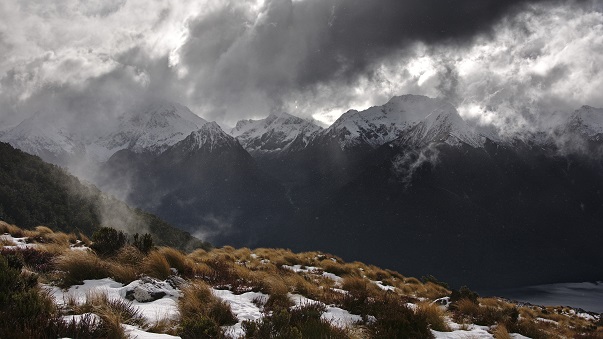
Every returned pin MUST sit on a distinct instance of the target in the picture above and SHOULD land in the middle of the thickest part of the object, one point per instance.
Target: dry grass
(129, 255)
(77, 266)
(436, 316)
(42, 230)
(430, 291)
(11, 229)
(202, 312)
(500, 332)
(177, 260)
(156, 265)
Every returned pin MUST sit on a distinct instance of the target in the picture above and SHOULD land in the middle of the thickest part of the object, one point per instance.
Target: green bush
(144, 243)
(200, 327)
(25, 311)
(396, 320)
(107, 241)
(299, 322)
(464, 293)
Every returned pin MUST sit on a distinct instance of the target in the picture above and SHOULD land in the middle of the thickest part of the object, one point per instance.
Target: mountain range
(408, 185)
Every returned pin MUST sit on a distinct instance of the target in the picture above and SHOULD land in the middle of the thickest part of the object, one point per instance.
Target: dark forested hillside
(34, 193)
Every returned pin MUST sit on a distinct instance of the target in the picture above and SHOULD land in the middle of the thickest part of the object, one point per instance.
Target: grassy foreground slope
(33, 192)
(211, 294)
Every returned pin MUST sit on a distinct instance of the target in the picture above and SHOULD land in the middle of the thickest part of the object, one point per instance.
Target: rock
(147, 289)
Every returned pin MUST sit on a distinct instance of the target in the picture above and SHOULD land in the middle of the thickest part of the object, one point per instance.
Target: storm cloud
(504, 63)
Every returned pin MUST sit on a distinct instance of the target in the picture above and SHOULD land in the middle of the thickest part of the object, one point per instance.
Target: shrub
(107, 241)
(25, 311)
(464, 293)
(36, 260)
(300, 322)
(200, 327)
(396, 320)
(144, 242)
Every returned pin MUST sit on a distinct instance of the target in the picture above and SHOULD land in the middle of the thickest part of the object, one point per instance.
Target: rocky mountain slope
(398, 179)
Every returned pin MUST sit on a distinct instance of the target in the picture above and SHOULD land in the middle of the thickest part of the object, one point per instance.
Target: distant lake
(587, 295)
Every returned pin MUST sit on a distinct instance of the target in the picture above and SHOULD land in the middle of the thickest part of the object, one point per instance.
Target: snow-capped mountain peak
(209, 137)
(36, 135)
(444, 126)
(277, 132)
(153, 128)
(418, 115)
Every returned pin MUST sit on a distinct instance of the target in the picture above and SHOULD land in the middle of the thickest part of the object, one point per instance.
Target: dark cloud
(243, 59)
(299, 45)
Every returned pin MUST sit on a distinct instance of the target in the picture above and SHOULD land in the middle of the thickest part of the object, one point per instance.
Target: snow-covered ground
(242, 307)
(153, 311)
(314, 270)
(18, 242)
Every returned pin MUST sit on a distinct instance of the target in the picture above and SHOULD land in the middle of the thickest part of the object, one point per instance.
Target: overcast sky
(509, 63)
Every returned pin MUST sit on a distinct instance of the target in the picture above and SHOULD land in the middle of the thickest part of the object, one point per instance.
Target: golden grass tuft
(77, 266)
(177, 260)
(198, 302)
(11, 229)
(43, 230)
(500, 332)
(436, 316)
(156, 265)
(124, 274)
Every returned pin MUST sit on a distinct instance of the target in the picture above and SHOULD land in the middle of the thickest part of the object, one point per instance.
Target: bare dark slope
(498, 216)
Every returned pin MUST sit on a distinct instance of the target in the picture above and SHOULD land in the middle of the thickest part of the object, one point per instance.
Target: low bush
(300, 322)
(395, 320)
(25, 310)
(463, 293)
(144, 243)
(107, 241)
(36, 260)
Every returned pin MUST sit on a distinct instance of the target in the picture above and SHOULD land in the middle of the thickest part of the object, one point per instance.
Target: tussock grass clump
(177, 260)
(110, 310)
(436, 316)
(156, 265)
(500, 332)
(278, 290)
(129, 255)
(75, 267)
(336, 268)
(11, 229)
(202, 313)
